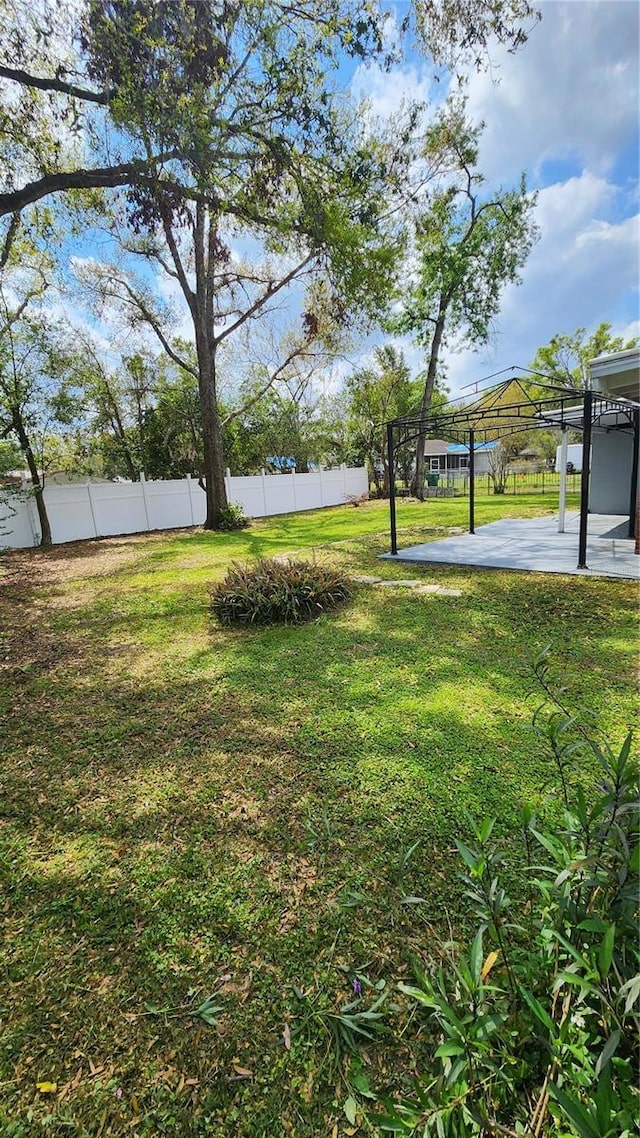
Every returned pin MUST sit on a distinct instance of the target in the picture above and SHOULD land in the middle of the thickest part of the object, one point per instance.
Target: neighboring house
(442, 457)
(280, 464)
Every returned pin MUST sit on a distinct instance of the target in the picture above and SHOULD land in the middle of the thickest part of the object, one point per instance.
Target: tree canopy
(566, 356)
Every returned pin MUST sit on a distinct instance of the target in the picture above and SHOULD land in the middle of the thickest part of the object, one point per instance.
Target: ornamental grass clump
(278, 592)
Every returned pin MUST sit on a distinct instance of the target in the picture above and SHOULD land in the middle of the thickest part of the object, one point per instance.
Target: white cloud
(570, 94)
(581, 273)
(387, 93)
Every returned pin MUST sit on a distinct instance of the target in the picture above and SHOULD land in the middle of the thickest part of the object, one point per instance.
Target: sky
(563, 110)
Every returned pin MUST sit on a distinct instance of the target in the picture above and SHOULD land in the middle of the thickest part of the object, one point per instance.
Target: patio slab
(533, 545)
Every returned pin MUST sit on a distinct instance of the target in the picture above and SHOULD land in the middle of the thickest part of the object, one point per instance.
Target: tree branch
(300, 351)
(261, 300)
(148, 316)
(180, 273)
(105, 177)
(53, 84)
(10, 237)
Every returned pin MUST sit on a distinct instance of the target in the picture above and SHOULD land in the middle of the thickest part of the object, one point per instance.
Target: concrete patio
(534, 545)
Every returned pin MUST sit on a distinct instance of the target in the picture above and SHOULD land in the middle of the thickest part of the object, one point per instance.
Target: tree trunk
(202, 308)
(417, 486)
(215, 486)
(119, 433)
(38, 488)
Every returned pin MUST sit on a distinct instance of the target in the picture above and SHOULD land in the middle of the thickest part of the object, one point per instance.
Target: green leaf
(539, 1012)
(608, 1051)
(605, 954)
(467, 855)
(361, 1084)
(477, 956)
(632, 990)
(576, 980)
(350, 1109)
(447, 1049)
(604, 1102)
(575, 1112)
(208, 1012)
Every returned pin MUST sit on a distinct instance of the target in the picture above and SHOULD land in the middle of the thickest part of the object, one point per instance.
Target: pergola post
(563, 478)
(472, 482)
(392, 489)
(633, 497)
(587, 418)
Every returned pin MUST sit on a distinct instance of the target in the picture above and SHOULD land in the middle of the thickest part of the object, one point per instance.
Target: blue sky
(565, 111)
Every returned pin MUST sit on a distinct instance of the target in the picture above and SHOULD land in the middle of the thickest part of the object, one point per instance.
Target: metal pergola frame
(487, 418)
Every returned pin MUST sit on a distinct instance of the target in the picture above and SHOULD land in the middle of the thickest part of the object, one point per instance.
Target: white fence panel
(106, 509)
(308, 491)
(70, 513)
(251, 493)
(119, 508)
(168, 503)
(18, 522)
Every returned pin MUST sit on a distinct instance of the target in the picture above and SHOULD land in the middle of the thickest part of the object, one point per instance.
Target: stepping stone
(450, 592)
(401, 584)
(367, 580)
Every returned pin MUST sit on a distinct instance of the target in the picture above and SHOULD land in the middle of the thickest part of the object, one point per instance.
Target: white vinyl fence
(105, 509)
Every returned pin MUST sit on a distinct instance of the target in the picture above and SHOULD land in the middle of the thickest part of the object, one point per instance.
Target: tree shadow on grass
(165, 831)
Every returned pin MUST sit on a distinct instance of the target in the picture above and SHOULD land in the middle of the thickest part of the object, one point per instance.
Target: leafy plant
(535, 1026)
(353, 1024)
(232, 517)
(208, 1010)
(277, 592)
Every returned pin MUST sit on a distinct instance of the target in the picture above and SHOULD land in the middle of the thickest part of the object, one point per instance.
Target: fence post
(144, 500)
(293, 484)
(264, 492)
(343, 467)
(92, 508)
(321, 486)
(191, 513)
(227, 482)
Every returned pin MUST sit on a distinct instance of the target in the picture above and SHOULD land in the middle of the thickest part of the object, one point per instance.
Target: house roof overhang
(608, 415)
(617, 374)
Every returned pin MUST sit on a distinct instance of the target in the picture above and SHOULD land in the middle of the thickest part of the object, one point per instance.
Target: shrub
(357, 499)
(277, 592)
(232, 517)
(535, 1025)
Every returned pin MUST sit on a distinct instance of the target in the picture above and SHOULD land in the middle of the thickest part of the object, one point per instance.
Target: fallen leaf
(286, 1035)
(47, 1088)
(488, 964)
(350, 1108)
(244, 1071)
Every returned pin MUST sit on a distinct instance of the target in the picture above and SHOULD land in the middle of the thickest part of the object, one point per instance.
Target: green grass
(186, 810)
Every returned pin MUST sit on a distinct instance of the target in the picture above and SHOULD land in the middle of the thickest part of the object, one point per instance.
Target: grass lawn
(187, 811)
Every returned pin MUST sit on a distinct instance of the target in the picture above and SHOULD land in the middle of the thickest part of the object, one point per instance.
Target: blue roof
(460, 448)
(283, 462)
